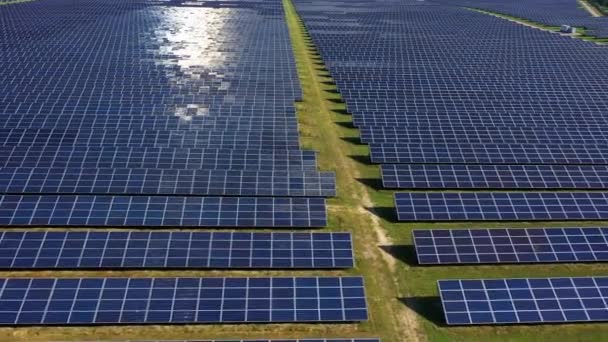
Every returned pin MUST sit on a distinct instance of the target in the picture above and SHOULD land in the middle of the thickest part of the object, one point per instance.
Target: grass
(581, 32)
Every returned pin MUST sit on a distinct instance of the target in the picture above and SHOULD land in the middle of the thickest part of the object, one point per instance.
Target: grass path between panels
(403, 296)
(326, 127)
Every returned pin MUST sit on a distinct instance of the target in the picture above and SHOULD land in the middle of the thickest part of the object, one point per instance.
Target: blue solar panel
(149, 111)
(79, 301)
(155, 249)
(269, 140)
(166, 182)
(438, 176)
(526, 300)
(156, 158)
(494, 246)
(133, 211)
(480, 134)
(501, 206)
(488, 154)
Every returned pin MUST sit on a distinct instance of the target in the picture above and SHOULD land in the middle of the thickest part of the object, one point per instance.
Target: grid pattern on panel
(526, 245)
(488, 154)
(87, 210)
(501, 206)
(533, 300)
(73, 301)
(442, 176)
(166, 182)
(156, 158)
(141, 249)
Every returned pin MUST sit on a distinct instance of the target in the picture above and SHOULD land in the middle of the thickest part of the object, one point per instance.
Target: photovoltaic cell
(119, 211)
(501, 206)
(84, 301)
(166, 182)
(494, 246)
(443, 176)
(155, 249)
(526, 300)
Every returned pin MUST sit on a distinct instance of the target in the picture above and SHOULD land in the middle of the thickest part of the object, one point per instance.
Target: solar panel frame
(94, 301)
(501, 206)
(524, 300)
(510, 245)
(174, 249)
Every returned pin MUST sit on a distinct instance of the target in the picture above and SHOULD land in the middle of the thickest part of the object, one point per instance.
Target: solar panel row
(166, 182)
(453, 176)
(156, 158)
(501, 206)
(52, 301)
(527, 300)
(155, 211)
(493, 246)
(177, 249)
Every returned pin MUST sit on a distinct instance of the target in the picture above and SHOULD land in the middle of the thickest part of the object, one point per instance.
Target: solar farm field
(301, 171)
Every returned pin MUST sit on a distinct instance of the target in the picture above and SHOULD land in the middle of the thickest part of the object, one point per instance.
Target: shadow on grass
(365, 160)
(404, 253)
(374, 183)
(353, 140)
(428, 307)
(386, 213)
(344, 112)
(345, 124)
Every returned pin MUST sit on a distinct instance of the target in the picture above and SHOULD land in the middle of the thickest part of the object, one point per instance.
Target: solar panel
(476, 134)
(501, 206)
(156, 249)
(495, 246)
(156, 158)
(183, 139)
(438, 176)
(119, 211)
(527, 300)
(488, 154)
(77, 301)
(166, 182)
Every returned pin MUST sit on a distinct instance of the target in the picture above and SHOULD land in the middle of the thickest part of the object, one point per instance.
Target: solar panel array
(153, 113)
(177, 249)
(476, 102)
(52, 301)
(548, 12)
(112, 99)
(532, 300)
(494, 246)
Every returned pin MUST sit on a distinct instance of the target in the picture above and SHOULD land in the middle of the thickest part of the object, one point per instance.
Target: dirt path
(389, 317)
